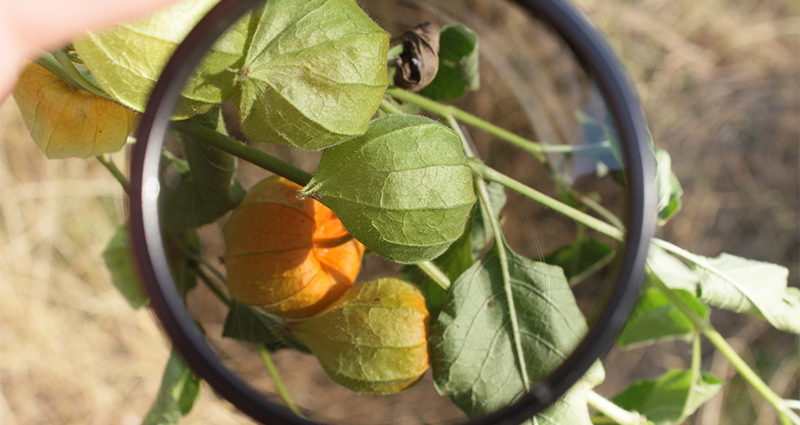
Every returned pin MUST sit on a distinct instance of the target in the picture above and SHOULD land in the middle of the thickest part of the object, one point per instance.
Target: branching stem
(112, 168)
(617, 414)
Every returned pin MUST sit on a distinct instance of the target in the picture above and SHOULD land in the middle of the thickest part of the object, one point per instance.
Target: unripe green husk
(374, 339)
(403, 188)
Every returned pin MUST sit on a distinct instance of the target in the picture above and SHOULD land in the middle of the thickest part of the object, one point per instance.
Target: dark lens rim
(623, 105)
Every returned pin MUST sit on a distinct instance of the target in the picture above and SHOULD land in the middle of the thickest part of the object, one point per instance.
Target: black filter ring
(600, 62)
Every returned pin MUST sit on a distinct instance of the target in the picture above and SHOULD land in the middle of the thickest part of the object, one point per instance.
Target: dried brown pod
(418, 64)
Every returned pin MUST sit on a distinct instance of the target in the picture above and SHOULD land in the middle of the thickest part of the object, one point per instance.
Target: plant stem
(600, 210)
(77, 76)
(112, 168)
(333, 242)
(213, 286)
(276, 377)
(199, 259)
(614, 412)
(443, 110)
(787, 416)
(389, 108)
(436, 274)
(394, 51)
(577, 215)
(241, 150)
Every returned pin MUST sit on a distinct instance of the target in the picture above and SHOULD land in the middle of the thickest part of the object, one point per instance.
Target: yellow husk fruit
(289, 256)
(374, 339)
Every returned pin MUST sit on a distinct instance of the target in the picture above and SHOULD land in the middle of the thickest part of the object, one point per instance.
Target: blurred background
(720, 84)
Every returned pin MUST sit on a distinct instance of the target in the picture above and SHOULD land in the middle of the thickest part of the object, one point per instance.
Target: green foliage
(403, 189)
(655, 318)
(481, 230)
(202, 188)
(459, 69)
(669, 188)
(245, 323)
(487, 376)
(670, 398)
(314, 74)
(119, 260)
(179, 390)
(752, 287)
(127, 60)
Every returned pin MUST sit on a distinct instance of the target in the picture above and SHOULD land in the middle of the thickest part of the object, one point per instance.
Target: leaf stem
(500, 246)
(333, 242)
(394, 51)
(276, 378)
(581, 217)
(243, 151)
(49, 62)
(600, 210)
(213, 286)
(112, 168)
(436, 274)
(614, 412)
(787, 416)
(390, 108)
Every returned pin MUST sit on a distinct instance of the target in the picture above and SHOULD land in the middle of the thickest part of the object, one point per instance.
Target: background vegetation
(720, 83)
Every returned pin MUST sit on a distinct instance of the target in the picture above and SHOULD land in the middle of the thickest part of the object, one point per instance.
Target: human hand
(29, 26)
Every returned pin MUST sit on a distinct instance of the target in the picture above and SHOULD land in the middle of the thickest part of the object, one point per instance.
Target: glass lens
(426, 254)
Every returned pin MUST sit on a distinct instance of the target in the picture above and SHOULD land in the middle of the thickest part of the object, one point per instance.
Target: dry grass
(719, 80)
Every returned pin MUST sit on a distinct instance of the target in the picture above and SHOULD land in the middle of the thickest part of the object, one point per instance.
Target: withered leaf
(418, 64)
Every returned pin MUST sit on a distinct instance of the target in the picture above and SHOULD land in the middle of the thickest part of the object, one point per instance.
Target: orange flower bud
(289, 256)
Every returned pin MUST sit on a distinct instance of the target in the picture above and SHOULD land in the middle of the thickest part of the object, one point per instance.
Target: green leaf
(179, 390)
(403, 189)
(472, 342)
(202, 188)
(672, 271)
(69, 122)
(314, 74)
(669, 188)
(581, 258)
(127, 60)
(247, 324)
(655, 318)
(752, 287)
(481, 234)
(119, 260)
(458, 64)
(670, 398)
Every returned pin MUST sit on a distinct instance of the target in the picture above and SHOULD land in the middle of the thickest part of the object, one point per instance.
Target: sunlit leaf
(128, 59)
(119, 260)
(753, 287)
(67, 121)
(459, 70)
(672, 271)
(179, 390)
(314, 75)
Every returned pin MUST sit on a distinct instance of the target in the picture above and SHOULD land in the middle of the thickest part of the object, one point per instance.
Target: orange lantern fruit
(292, 257)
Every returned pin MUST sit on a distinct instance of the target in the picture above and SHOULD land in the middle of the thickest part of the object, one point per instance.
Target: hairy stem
(614, 412)
(535, 149)
(787, 416)
(112, 168)
(390, 108)
(558, 206)
(241, 150)
(276, 377)
(436, 274)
